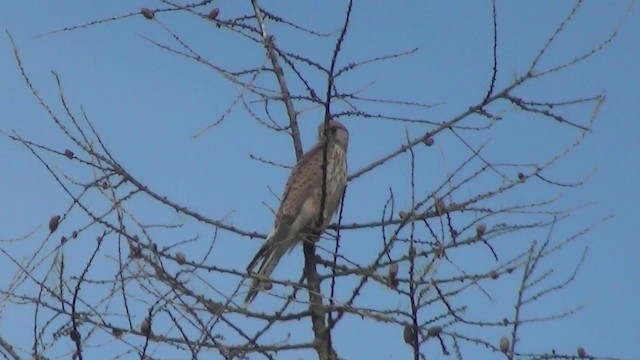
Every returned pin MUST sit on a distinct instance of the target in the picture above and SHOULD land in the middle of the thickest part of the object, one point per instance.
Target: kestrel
(299, 215)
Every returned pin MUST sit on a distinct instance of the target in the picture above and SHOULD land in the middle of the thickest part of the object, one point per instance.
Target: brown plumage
(299, 214)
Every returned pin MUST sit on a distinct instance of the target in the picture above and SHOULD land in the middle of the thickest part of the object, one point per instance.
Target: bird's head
(334, 131)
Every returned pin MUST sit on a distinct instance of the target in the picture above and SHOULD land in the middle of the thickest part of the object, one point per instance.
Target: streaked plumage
(299, 213)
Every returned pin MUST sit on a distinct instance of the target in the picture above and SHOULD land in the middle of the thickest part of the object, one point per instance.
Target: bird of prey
(299, 217)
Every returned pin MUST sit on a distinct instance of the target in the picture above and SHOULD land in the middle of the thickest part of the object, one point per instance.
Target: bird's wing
(305, 177)
(296, 210)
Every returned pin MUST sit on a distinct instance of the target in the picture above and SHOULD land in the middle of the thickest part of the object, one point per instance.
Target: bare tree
(150, 289)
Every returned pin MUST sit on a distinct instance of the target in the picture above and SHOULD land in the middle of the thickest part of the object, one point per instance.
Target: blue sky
(148, 104)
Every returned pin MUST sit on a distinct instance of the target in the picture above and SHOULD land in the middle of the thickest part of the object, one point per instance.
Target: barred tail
(269, 255)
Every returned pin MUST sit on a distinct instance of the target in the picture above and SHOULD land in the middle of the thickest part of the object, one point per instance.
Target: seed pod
(521, 176)
(392, 276)
(494, 274)
(393, 270)
(403, 215)
(145, 327)
(440, 208)
(147, 13)
(68, 153)
(213, 14)
(581, 352)
(116, 332)
(480, 229)
(434, 331)
(428, 141)
(412, 251)
(74, 335)
(135, 252)
(180, 258)
(53, 223)
(214, 308)
(504, 344)
(408, 335)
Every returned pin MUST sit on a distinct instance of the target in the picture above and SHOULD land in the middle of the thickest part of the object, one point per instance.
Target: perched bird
(299, 216)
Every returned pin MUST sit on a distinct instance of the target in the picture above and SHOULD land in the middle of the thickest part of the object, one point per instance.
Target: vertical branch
(332, 292)
(322, 342)
(526, 272)
(415, 340)
(322, 333)
(277, 69)
(334, 59)
(318, 314)
(322, 338)
(494, 73)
